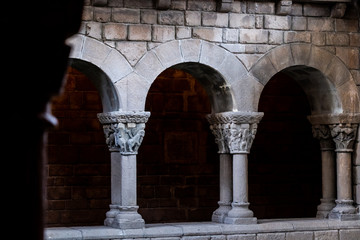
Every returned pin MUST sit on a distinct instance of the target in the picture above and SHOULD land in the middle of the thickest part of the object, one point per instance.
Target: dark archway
(78, 167)
(285, 162)
(178, 176)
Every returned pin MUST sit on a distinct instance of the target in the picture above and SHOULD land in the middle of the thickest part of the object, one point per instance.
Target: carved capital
(220, 133)
(241, 137)
(234, 131)
(124, 131)
(344, 136)
(323, 134)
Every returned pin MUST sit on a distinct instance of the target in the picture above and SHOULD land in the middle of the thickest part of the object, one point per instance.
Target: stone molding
(234, 131)
(334, 118)
(124, 131)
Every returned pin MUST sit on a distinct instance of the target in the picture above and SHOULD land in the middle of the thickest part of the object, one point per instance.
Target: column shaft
(225, 178)
(328, 175)
(225, 188)
(240, 178)
(240, 212)
(328, 184)
(344, 185)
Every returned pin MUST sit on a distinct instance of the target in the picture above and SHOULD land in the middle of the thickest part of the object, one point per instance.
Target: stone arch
(323, 76)
(104, 66)
(217, 69)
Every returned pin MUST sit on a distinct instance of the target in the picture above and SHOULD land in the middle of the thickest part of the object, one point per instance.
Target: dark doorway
(178, 160)
(285, 162)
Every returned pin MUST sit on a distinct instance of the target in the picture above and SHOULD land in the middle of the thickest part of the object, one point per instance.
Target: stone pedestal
(124, 132)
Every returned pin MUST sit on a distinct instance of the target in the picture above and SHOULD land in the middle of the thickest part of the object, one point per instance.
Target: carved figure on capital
(323, 134)
(220, 132)
(241, 137)
(344, 136)
(124, 131)
(121, 137)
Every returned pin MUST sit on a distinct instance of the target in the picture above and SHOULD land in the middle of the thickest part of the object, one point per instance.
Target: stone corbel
(338, 10)
(283, 7)
(163, 4)
(124, 131)
(100, 3)
(224, 5)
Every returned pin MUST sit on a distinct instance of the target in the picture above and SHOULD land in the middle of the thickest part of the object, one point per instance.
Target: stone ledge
(205, 229)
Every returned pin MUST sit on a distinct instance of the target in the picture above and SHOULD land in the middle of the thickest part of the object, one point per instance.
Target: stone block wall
(249, 30)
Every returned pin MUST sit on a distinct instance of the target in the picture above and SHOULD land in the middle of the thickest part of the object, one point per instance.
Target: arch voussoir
(169, 53)
(190, 50)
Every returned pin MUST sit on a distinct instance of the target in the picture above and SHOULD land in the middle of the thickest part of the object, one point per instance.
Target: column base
(111, 214)
(220, 213)
(128, 218)
(344, 210)
(325, 208)
(240, 214)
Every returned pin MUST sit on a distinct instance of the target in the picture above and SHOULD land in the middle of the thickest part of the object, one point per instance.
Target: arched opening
(78, 166)
(285, 161)
(102, 83)
(178, 167)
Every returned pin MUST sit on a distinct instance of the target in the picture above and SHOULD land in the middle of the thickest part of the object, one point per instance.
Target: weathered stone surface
(326, 235)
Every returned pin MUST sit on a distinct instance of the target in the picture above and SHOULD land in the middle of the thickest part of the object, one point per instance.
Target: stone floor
(277, 229)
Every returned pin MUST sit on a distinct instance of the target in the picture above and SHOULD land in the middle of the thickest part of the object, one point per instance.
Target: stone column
(124, 132)
(322, 133)
(344, 135)
(217, 126)
(240, 129)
